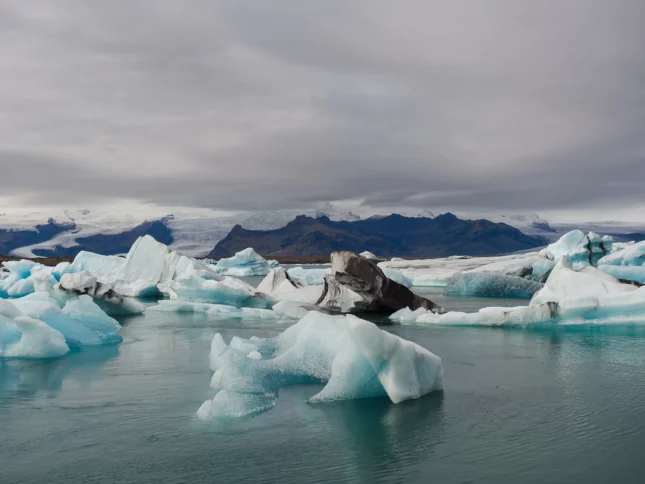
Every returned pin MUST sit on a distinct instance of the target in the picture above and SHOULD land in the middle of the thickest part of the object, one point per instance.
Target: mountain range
(393, 235)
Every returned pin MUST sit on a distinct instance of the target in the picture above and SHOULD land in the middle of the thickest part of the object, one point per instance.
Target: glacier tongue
(353, 357)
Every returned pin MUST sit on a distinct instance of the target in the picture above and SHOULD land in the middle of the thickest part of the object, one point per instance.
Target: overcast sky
(254, 105)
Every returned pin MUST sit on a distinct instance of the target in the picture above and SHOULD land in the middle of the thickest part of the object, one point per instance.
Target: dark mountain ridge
(11, 239)
(394, 235)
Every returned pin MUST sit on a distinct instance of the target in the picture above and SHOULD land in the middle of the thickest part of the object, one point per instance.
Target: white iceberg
(581, 250)
(243, 264)
(439, 272)
(353, 357)
(369, 256)
(588, 296)
(147, 265)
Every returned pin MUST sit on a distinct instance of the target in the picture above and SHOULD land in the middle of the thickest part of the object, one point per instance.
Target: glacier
(353, 357)
(244, 264)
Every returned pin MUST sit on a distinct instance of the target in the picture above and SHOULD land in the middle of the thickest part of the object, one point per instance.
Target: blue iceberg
(353, 357)
(491, 284)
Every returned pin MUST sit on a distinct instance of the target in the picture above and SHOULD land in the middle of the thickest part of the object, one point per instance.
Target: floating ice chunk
(42, 307)
(491, 284)
(581, 250)
(398, 276)
(397, 259)
(354, 357)
(568, 243)
(439, 272)
(373, 362)
(254, 355)
(565, 283)
(235, 405)
(311, 276)
(147, 265)
(218, 346)
(369, 256)
(86, 312)
(291, 310)
(23, 276)
(282, 287)
(25, 337)
(109, 300)
(230, 291)
(244, 263)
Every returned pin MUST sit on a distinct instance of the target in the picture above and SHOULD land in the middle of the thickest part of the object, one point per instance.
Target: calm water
(518, 407)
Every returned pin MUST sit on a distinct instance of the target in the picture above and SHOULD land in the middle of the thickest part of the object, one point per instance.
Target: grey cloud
(283, 104)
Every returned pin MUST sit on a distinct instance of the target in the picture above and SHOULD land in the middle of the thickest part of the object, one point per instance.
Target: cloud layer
(241, 104)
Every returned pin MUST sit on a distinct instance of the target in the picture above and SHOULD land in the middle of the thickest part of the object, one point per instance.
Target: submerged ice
(353, 357)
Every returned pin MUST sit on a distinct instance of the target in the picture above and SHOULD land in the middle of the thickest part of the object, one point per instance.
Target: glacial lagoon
(551, 405)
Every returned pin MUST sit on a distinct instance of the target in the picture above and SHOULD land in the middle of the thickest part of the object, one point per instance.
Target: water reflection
(382, 438)
(27, 379)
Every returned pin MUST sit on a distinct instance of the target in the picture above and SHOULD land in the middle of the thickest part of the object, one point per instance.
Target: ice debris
(353, 357)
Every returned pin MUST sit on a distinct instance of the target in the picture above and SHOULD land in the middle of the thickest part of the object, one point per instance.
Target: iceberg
(353, 357)
(491, 284)
(25, 337)
(439, 272)
(581, 250)
(281, 286)
(313, 276)
(147, 265)
(588, 296)
(353, 284)
(109, 300)
(20, 278)
(80, 320)
(243, 264)
(369, 256)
